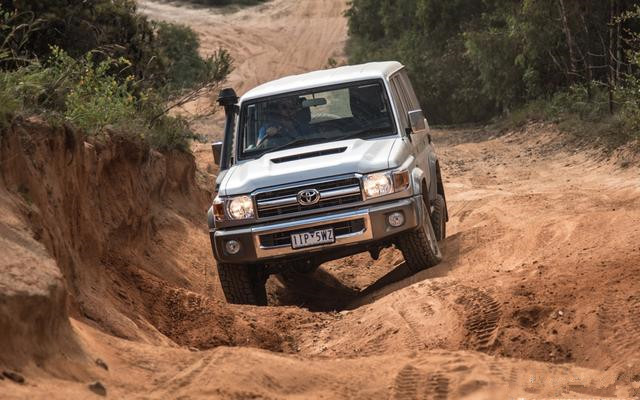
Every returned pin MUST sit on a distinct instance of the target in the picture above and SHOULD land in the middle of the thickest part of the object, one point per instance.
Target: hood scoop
(308, 155)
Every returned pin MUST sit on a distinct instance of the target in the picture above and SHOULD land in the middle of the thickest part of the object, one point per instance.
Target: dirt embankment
(124, 245)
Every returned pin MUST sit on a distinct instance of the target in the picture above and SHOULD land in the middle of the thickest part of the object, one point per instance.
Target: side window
(402, 87)
(402, 106)
(253, 117)
(410, 93)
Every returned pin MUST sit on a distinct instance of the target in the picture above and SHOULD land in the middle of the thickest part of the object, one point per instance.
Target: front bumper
(368, 225)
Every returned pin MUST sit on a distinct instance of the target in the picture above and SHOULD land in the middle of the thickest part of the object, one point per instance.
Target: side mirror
(216, 148)
(417, 121)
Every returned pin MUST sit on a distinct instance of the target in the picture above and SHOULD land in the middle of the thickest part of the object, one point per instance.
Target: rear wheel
(243, 284)
(439, 218)
(420, 247)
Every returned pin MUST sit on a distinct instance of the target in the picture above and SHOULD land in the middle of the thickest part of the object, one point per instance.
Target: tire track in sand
(413, 384)
(621, 316)
(482, 315)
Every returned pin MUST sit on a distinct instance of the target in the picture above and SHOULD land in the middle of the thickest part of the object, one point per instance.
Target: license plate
(312, 238)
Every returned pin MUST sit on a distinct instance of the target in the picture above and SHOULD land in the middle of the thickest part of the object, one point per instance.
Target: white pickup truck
(320, 166)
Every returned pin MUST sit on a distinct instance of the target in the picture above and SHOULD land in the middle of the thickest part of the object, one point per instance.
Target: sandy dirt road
(537, 296)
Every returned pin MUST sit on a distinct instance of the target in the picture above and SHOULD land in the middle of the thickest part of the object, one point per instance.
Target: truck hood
(317, 161)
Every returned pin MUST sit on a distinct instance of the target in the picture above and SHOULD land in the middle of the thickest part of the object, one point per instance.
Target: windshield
(318, 115)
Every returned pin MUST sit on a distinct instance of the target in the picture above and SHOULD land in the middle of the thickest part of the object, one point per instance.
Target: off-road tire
(242, 284)
(420, 247)
(439, 217)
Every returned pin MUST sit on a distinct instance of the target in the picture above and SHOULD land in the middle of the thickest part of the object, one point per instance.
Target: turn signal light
(400, 180)
(218, 209)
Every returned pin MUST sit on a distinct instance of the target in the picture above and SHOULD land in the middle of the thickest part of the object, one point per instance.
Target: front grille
(332, 193)
(339, 229)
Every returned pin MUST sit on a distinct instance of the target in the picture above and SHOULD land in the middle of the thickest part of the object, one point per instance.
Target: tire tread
(439, 217)
(415, 248)
(241, 284)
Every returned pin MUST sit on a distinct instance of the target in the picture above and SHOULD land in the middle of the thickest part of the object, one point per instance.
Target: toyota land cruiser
(320, 166)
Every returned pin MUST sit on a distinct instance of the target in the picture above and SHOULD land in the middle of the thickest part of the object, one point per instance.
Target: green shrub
(629, 102)
(178, 47)
(588, 102)
(185, 69)
(9, 104)
(86, 93)
(79, 27)
(95, 98)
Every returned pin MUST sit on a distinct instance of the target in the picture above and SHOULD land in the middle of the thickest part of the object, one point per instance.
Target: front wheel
(242, 284)
(420, 247)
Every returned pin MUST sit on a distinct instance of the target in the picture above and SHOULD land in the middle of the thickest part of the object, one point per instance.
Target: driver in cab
(281, 127)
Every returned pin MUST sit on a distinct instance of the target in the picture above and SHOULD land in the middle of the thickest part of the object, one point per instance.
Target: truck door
(405, 103)
(427, 153)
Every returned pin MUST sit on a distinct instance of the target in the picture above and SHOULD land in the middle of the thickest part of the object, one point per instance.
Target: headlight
(240, 207)
(383, 183)
(377, 184)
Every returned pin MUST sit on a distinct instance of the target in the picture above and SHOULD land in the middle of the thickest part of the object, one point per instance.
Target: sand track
(537, 295)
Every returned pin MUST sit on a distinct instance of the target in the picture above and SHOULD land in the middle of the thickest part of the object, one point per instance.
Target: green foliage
(178, 48)
(78, 27)
(588, 102)
(628, 93)
(85, 93)
(161, 55)
(582, 110)
(427, 36)
(108, 66)
(95, 97)
(475, 60)
(9, 104)
(629, 100)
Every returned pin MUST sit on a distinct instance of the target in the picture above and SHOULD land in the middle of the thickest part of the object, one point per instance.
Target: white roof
(334, 76)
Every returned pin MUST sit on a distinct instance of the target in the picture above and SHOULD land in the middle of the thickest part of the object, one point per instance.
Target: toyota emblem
(308, 197)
